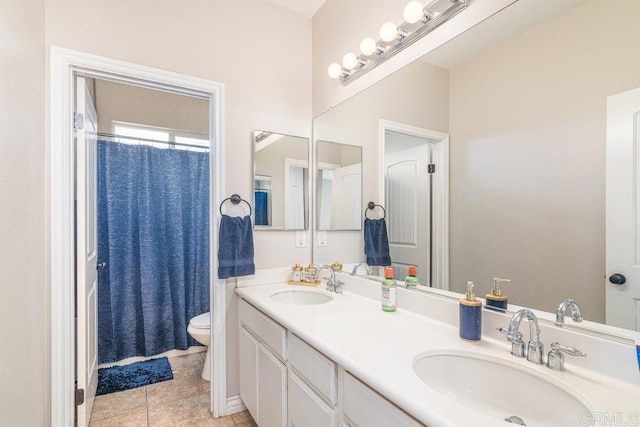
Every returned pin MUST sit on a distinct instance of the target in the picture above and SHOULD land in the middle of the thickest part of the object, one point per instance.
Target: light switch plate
(301, 239)
(322, 238)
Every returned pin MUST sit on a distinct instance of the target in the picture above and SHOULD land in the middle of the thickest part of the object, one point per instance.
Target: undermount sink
(498, 388)
(301, 297)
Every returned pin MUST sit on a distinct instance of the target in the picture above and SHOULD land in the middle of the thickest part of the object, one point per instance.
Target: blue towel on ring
(376, 242)
(235, 247)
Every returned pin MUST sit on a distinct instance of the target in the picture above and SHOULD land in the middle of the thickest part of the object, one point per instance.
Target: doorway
(65, 66)
(414, 186)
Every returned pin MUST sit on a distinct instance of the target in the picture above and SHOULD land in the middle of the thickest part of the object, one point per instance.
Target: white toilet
(200, 329)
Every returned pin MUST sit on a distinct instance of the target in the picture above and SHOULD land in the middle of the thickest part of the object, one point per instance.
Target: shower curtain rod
(136, 138)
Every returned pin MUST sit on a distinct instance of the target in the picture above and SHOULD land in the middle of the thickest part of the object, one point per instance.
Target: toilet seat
(202, 321)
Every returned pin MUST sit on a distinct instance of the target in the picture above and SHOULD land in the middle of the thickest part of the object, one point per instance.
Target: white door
(346, 198)
(294, 197)
(86, 251)
(408, 204)
(623, 210)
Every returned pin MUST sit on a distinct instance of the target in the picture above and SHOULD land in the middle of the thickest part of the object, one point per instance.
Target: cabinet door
(272, 390)
(248, 371)
(306, 408)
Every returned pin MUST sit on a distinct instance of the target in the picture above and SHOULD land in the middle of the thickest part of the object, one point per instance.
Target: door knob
(101, 265)
(617, 279)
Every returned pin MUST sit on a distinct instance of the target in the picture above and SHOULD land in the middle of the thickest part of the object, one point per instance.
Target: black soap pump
(496, 300)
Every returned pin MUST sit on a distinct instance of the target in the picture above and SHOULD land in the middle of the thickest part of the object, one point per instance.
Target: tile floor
(182, 401)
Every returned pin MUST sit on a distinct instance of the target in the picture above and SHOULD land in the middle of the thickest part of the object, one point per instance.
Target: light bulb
(349, 61)
(413, 12)
(388, 31)
(335, 70)
(368, 46)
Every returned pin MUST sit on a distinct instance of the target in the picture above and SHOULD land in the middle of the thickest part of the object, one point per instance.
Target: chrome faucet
(562, 308)
(333, 285)
(355, 269)
(535, 349)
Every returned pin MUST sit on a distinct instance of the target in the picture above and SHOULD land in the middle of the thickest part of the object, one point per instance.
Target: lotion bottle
(496, 300)
(470, 315)
(389, 288)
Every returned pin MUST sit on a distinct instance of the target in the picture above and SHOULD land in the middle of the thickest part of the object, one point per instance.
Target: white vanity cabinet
(286, 382)
(263, 374)
(364, 407)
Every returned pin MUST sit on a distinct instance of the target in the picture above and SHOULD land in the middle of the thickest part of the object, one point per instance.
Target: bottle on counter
(310, 273)
(470, 315)
(411, 281)
(297, 273)
(389, 288)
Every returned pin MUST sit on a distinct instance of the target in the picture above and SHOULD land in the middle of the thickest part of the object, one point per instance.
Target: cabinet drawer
(306, 409)
(364, 407)
(316, 369)
(266, 330)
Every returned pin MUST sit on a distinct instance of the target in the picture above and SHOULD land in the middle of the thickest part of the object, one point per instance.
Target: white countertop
(380, 348)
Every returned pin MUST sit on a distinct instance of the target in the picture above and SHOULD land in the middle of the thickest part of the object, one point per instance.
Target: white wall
(126, 103)
(528, 131)
(24, 301)
(249, 45)
(339, 26)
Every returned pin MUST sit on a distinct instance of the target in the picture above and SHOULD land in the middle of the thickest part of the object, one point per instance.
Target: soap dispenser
(496, 300)
(470, 315)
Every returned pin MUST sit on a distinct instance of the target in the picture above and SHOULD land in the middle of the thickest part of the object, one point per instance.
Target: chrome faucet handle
(337, 286)
(555, 359)
(517, 345)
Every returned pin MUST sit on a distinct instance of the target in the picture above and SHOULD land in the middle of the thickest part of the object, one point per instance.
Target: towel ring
(235, 199)
(371, 206)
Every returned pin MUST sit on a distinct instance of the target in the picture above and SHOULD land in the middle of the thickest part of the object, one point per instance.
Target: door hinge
(78, 121)
(431, 168)
(79, 396)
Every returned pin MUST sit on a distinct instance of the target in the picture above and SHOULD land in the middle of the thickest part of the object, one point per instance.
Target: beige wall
(527, 156)
(261, 52)
(339, 26)
(357, 122)
(121, 102)
(24, 302)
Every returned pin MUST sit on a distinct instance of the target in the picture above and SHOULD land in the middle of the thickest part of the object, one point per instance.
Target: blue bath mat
(138, 374)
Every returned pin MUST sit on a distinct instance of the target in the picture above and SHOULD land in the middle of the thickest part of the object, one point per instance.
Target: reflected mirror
(523, 100)
(281, 181)
(338, 186)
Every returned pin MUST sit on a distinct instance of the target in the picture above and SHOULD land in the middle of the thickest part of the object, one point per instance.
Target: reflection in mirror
(281, 181)
(525, 107)
(339, 186)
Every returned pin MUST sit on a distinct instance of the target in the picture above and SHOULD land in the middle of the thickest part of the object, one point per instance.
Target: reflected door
(346, 197)
(408, 204)
(623, 210)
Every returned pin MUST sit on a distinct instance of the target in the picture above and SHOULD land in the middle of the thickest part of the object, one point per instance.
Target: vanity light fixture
(419, 21)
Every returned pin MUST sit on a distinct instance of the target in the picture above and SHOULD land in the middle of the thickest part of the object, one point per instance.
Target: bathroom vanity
(314, 358)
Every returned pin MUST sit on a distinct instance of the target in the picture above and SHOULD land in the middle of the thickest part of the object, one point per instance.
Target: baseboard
(235, 405)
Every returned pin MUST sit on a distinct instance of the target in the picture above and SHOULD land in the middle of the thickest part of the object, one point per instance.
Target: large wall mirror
(281, 181)
(523, 99)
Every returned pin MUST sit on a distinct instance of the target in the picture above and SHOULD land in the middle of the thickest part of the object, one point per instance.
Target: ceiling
(303, 7)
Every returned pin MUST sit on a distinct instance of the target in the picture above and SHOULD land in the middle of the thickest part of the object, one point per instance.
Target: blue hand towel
(235, 248)
(376, 242)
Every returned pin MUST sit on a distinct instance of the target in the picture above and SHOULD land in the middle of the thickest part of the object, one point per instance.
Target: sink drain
(513, 419)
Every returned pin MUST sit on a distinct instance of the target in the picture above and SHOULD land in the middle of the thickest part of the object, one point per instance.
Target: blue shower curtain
(153, 235)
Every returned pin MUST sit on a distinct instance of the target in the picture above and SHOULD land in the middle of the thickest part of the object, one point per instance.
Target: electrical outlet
(322, 238)
(301, 239)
